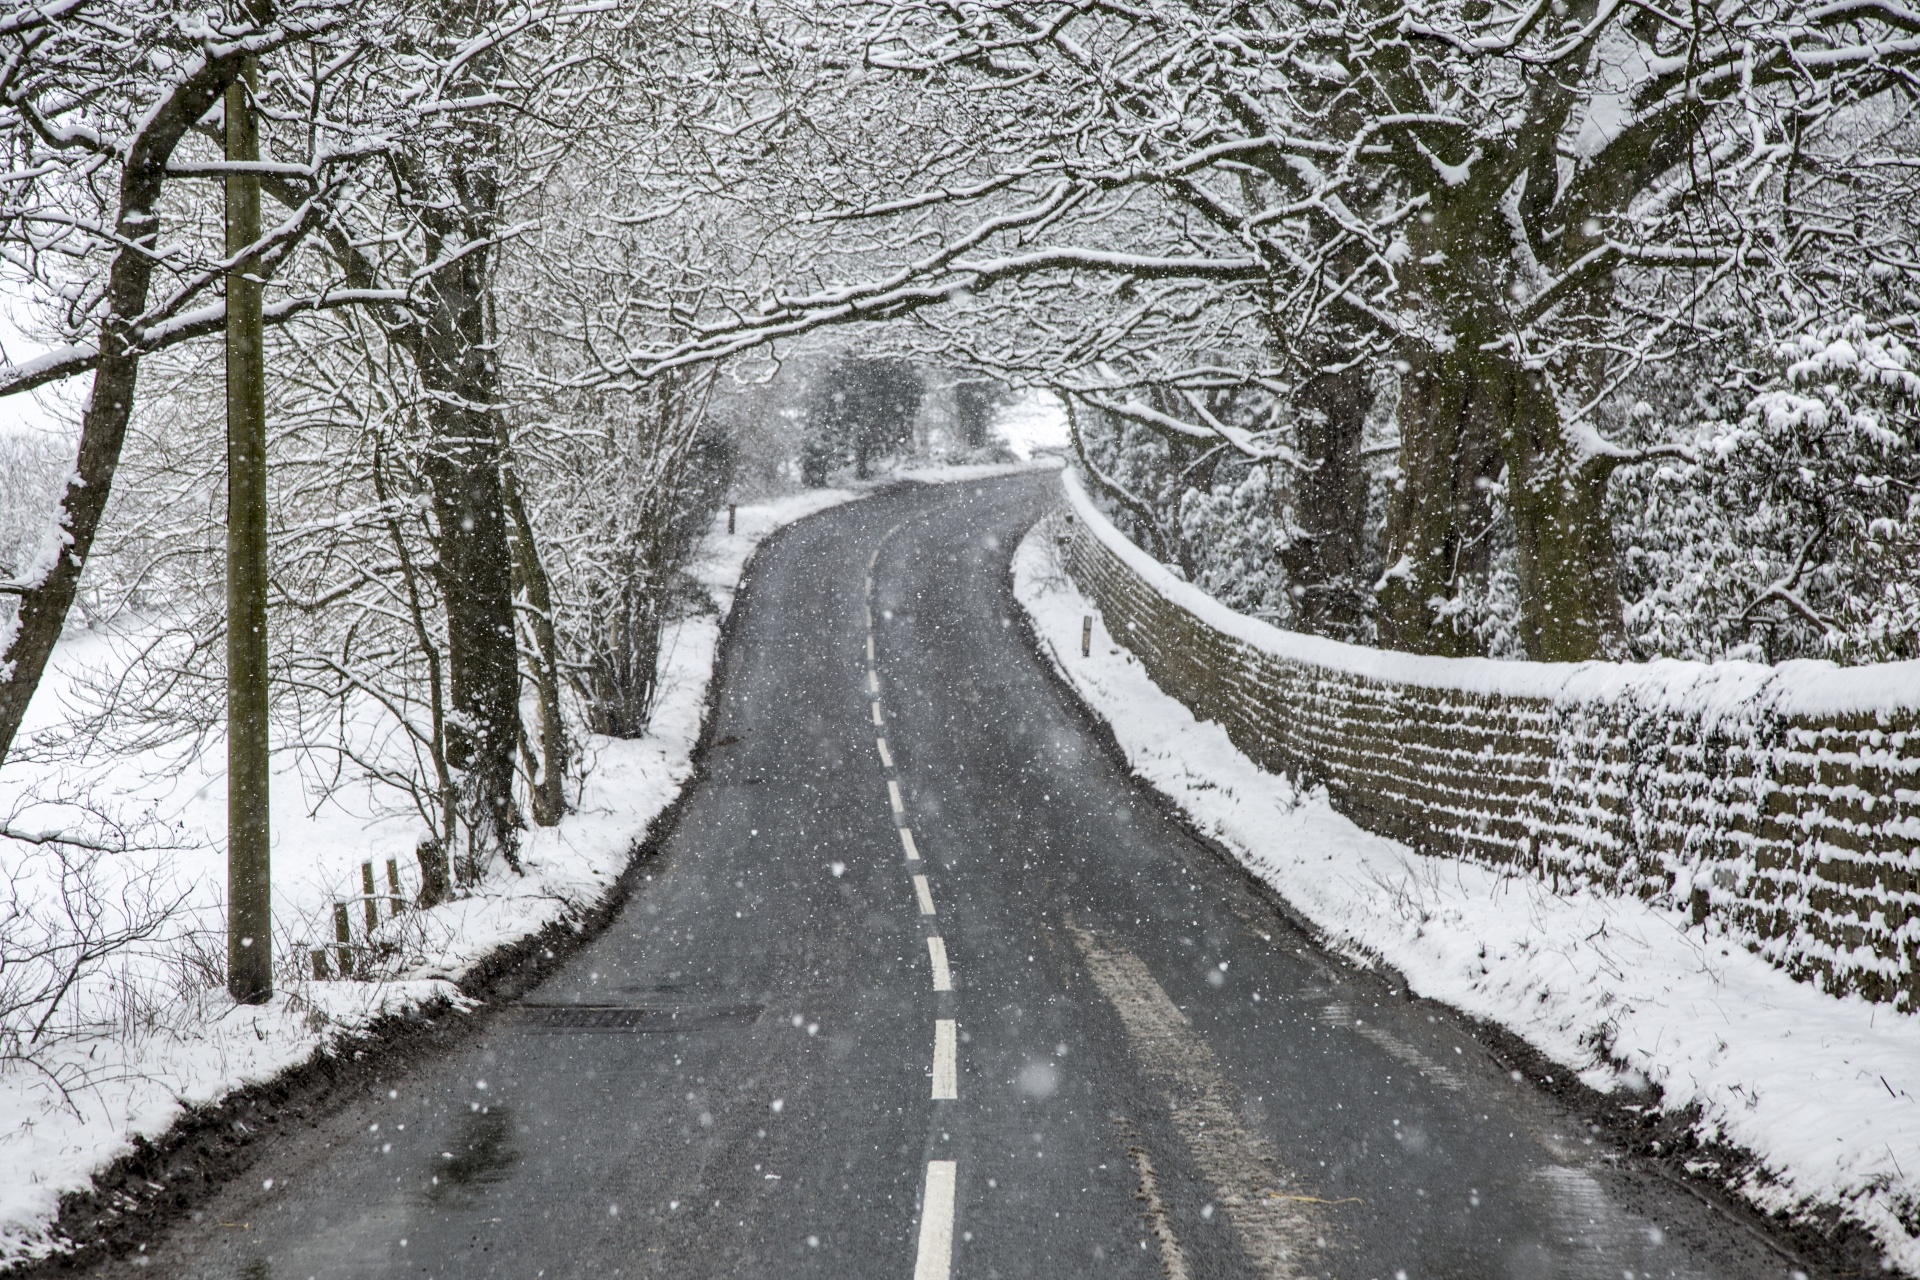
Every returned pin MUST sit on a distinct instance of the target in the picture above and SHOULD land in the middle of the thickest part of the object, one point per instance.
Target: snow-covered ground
(181, 1041)
(1824, 1091)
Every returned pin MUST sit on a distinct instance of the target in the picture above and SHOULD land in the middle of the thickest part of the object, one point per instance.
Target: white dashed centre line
(935, 1260)
(942, 976)
(946, 1076)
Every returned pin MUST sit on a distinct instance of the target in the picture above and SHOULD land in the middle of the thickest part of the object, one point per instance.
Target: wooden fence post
(343, 936)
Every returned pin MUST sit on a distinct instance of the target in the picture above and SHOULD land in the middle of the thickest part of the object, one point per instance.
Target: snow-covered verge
(180, 1042)
(1821, 1090)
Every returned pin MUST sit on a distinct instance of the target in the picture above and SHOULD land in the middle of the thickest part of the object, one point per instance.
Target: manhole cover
(632, 1018)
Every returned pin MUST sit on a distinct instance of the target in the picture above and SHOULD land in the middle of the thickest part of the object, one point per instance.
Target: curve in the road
(923, 985)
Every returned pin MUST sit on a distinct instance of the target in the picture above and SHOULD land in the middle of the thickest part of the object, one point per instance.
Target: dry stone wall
(1779, 803)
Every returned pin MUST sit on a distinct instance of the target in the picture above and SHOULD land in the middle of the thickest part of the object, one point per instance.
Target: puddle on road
(483, 1153)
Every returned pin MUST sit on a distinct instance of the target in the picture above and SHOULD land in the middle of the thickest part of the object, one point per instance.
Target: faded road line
(1275, 1234)
(925, 895)
(906, 842)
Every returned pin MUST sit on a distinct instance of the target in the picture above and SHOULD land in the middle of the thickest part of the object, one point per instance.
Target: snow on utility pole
(249, 884)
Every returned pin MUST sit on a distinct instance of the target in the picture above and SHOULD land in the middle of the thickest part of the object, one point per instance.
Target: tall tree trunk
(462, 464)
(1569, 574)
(46, 592)
(1330, 506)
(1438, 519)
(1463, 416)
(547, 774)
(455, 187)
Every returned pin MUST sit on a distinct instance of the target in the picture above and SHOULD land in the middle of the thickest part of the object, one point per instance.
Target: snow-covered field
(181, 1041)
(1825, 1092)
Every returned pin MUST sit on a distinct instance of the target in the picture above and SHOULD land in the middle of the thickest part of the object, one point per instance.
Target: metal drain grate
(633, 1019)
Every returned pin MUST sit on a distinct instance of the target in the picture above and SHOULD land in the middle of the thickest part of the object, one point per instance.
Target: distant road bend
(922, 985)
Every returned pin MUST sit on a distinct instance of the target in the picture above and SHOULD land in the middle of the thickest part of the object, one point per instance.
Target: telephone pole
(249, 882)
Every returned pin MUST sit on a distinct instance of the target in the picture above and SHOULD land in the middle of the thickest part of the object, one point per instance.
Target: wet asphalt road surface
(1151, 1073)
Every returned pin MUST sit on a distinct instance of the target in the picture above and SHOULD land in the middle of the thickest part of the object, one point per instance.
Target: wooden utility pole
(249, 882)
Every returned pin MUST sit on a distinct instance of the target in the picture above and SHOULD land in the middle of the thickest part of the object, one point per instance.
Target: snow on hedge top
(1806, 687)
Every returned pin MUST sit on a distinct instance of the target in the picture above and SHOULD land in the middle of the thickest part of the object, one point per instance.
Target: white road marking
(946, 1076)
(869, 586)
(942, 976)
(906, 841)
(925, 895)
(893, 796)
(873, 559)
(886, 756)
(873, 681)
(869, 617)
(1271, 1219)
(876, 712)
(869, 648)
(935, 1261)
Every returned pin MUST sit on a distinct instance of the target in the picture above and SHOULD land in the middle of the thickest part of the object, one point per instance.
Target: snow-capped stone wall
(1782, 801)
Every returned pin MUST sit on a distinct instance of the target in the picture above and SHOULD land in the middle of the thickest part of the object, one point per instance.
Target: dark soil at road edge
(135, 1199)
(1658, 1142)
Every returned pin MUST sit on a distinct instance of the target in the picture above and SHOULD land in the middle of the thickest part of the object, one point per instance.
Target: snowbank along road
(922, 985)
